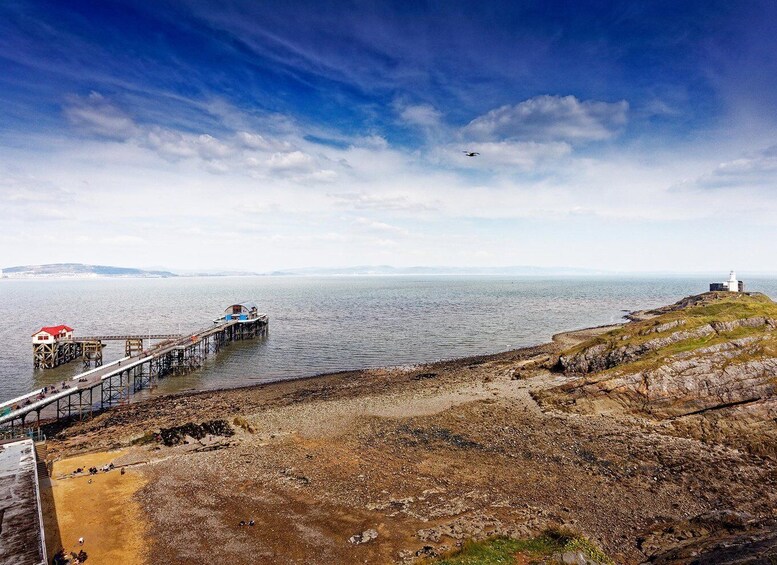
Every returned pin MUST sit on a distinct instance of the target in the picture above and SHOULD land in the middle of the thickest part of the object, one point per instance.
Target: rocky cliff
(705, 367)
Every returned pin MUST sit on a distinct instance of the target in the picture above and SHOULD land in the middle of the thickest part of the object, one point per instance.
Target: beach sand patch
(100, 508)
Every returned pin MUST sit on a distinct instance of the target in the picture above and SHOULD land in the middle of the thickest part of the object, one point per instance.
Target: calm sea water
(321, 324)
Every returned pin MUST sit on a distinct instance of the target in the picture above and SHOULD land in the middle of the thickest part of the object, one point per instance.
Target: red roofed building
(50, 334)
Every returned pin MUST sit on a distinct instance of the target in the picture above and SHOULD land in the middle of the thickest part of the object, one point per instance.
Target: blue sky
(267, 135)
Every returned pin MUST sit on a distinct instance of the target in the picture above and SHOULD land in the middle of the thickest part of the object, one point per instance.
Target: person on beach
(59, 557)
(81, 541)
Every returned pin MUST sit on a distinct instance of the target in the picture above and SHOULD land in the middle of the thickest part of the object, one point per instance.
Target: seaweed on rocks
(178, 434)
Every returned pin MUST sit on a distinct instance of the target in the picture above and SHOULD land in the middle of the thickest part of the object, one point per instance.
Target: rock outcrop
(707, 370)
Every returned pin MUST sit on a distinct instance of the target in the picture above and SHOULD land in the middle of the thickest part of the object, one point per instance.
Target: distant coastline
(78, 271)
(83, 271)
(68, 271)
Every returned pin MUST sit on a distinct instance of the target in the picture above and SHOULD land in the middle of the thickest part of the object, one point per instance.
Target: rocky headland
(648, 442)
(704, 368)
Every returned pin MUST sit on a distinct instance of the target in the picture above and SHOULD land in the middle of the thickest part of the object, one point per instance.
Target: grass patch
(241, 422)
(502, 550)
(720, 308)
(145, 439)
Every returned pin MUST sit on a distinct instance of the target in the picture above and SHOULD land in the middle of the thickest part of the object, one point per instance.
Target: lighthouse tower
(733, 283)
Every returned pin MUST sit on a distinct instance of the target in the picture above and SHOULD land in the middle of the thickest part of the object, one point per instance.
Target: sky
(243, 135)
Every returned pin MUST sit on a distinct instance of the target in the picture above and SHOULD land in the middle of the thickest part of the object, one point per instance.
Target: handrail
(113, 368)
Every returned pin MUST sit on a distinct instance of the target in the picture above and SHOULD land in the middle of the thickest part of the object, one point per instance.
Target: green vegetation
(705, 309)
(503, 550)
(145, 439)
(241, 422)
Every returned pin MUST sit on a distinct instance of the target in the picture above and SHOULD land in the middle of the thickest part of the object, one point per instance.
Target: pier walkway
(113, 383)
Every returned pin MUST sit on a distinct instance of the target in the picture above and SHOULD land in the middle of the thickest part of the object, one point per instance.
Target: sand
(103, 511)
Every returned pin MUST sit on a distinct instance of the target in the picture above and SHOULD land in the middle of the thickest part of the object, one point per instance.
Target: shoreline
(422, 458)
(557, 339)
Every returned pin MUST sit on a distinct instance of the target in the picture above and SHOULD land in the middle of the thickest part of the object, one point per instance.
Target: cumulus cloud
(28, 196)
(377, 226)
(95, 115)
(550, 118)
(524, 155)
(261, 142)
(293, 161)
(757, 170)
(372, 142)
(321, 176)
(423, 115)
(386, 202)
(171, 144)
(209, 147)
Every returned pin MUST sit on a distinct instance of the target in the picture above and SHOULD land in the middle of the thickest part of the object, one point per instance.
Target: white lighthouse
(731, 285)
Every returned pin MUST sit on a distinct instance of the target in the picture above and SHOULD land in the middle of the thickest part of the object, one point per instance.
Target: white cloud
(95, 115)
(320, 176)
(389, 202)
(209, 147)
(550, 118)
(522, 155)
(757, 170)
(421, 115)
(372, 142)
(378, 226)
(363, 200)
(293, 161)
(261, 142)
(171, 144)
(125, 240)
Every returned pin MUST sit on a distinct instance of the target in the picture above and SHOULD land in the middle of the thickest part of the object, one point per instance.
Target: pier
(114, 383)
(53, 346)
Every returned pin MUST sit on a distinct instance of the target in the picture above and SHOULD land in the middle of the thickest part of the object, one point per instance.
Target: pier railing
(113, 383)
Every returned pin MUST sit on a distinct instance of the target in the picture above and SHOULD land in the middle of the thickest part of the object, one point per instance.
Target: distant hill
(389, 270)
(79, 270)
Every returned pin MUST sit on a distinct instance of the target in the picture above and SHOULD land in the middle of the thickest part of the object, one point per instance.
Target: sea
(321, 324)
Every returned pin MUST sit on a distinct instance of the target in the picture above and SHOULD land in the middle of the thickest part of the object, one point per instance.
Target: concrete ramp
(22, 540)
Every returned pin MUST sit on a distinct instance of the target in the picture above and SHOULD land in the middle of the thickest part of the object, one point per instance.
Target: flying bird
(471, 153)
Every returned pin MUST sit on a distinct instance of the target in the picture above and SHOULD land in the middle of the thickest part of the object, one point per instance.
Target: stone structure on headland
(731, 285)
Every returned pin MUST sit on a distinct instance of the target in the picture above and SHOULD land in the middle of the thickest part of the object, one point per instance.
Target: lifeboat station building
(243, 311)
(53, 346)
(51, 334)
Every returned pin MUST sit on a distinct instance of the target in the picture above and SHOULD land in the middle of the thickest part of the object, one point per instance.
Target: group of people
(46, 390)
(249, 523)
(42, 394)
(61, 557)
(95, 470)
